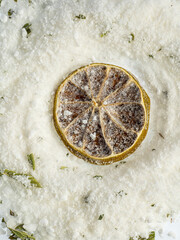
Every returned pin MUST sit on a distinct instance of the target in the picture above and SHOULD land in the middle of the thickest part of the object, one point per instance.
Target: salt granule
(56, 46)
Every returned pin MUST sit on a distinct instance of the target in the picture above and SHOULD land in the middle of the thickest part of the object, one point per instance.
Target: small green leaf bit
(104, 34)
(101, 217)
(63, 167)
(20, 234)
(12, 213)
(27, 27)
(32, 180)
(10, 13)
(151, 237)
(80, 16)
(31, 160)
(98, 177)
(160, 134)
(131, 38)
(151, 56)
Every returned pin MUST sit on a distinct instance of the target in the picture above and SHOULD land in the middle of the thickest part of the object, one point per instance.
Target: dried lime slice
(101, 113)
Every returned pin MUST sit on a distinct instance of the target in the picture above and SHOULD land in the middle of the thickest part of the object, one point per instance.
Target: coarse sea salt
(59, 43)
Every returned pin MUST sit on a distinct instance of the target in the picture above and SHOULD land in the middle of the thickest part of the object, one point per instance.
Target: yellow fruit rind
(106, 160)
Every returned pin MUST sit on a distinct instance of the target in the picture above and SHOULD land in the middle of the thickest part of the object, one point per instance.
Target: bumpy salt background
(31, 67)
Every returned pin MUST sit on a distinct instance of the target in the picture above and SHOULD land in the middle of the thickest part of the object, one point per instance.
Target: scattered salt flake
(3, 18)
(84, 121)
(30, 227)
(23, 179)
(44, 222)
(171, 234)
(93, 136)
(94, 118)
(49, 59)
(67, 113)
(24, 33)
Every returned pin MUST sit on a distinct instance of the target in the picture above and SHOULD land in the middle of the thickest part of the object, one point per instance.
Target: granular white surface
(32, 66)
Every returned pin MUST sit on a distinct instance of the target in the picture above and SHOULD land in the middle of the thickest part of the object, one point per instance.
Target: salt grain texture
(56, 46)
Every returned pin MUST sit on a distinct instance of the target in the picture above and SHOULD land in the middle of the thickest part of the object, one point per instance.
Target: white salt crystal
(93, 136)
(67, 113)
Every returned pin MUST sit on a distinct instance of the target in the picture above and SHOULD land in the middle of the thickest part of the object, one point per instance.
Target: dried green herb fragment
(13, 237)
(0, 2)
(12, 213)
(20, 227)
(104, 34)
(159, 49)
(151, 237)
(153, 149)
(121, 162)
(131, 37)
(67, 154)
(86, 198)
(0, 201)
(152, 205)
(9, 173)
(27, 27)
(10, 13)
(151, 56)
(15, 0)
(98, 176)
(63, 167)
(101, 217)
(1, 174)
(32, 180)
(80, 16)
(31, 160)
(121, 193)
(20, 234)
(160, 134)
(165, 93)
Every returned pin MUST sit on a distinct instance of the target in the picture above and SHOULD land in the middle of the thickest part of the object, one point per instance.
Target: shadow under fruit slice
(101, 113)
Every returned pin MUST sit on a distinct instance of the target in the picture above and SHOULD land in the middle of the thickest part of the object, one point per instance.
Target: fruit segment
(116, 79)
(96, 75)
(80, 79)
(131, 115)
(69, 111)
(130, 93)
(72, 93)
(94, 142)
(76, 130)
(118, 138)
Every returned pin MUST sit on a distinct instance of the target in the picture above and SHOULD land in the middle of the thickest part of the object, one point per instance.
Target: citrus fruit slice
(101, 113)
